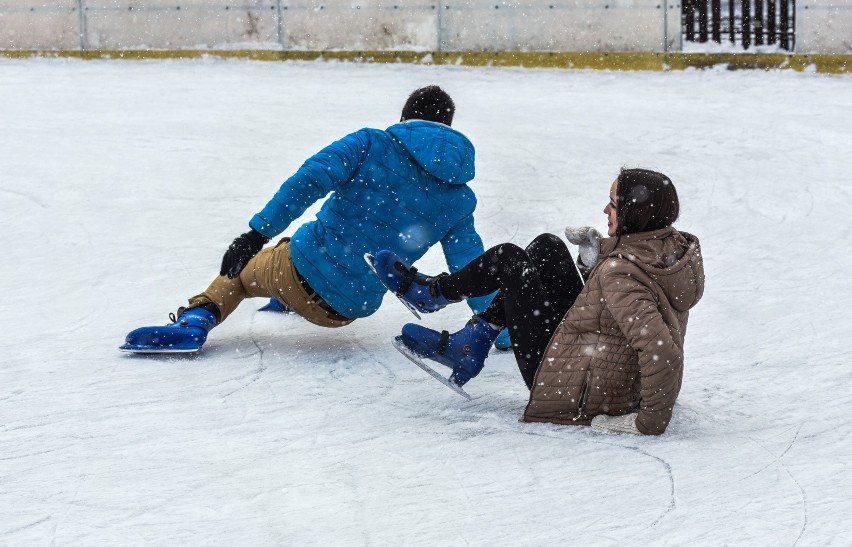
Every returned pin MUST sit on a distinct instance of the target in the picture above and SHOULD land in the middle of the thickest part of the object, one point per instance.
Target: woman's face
(611, 210)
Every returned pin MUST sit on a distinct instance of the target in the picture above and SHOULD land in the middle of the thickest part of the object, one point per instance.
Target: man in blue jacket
(402, 189)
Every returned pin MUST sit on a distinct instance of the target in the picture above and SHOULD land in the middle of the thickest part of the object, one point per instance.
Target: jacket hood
(442, 151)
(671, 258)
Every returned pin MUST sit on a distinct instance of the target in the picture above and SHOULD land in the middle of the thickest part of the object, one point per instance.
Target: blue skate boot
(419, 293)
(185, 334)
(463, 351)
(503, 341)
(275, 305)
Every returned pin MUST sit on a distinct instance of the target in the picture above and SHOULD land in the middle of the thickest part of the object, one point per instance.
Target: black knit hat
(429, 103)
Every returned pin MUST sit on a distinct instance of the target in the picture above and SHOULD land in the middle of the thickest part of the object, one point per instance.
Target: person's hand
(240, 252)
(589, 241)
(616, 424)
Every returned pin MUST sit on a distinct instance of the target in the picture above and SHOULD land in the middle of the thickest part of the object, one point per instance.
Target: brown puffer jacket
(619, 348)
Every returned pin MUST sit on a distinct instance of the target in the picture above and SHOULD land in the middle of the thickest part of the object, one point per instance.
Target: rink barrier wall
(822, 63)
(821, 26)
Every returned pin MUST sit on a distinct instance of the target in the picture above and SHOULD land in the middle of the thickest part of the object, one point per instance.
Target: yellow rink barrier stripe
(824, 63)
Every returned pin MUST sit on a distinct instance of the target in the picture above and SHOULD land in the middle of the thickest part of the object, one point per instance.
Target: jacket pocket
(584, 394)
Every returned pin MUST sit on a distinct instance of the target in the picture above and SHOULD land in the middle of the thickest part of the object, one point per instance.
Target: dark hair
(645, 201)
(429, 103)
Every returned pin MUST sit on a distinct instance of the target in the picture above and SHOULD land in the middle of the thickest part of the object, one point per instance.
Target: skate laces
(173, 318)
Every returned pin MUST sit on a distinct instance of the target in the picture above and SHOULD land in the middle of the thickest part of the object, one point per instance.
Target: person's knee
(546, 241)
(546, 246)
(509, 252)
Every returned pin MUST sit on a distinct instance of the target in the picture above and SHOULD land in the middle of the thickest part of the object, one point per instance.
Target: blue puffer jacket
(403, 189)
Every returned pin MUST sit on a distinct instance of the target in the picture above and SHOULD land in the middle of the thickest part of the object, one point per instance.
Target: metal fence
(743, 22)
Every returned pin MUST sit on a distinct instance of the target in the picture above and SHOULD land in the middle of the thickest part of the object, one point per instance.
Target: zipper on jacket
(587, 385)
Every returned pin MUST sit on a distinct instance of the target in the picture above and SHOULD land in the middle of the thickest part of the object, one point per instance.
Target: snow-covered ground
(122, 183)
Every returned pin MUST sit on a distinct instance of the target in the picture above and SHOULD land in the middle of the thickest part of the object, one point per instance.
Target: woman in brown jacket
(607, 352)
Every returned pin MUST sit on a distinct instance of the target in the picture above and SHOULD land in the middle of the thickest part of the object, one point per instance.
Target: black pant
(537, 287)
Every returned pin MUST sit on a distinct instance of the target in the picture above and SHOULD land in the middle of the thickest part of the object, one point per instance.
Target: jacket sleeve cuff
(262, 227)
(644, 429)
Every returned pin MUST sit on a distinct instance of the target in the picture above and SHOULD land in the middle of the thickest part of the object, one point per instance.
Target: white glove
(589, 241)
(616, 424)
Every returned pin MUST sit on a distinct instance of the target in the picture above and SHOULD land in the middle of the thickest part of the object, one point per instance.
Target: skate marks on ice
(545, 464)
(779, 461)
(496, 413)
(558, 432)
(260, 365)
(350, 373)
(350, 365)
(687, 481)
(28, 196)
(30, 525)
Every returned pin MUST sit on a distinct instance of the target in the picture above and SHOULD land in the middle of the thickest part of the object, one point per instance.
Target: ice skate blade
(371, 262)
(156, 351)
(414, 358)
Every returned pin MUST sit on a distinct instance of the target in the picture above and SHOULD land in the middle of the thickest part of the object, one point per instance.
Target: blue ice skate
(275, 305)
(185, 334)
(419, 293)
(464, 351)
(503, 341)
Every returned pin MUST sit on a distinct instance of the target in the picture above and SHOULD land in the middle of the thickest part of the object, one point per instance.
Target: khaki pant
(269, 274)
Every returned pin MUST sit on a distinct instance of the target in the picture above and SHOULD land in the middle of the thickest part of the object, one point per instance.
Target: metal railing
(743, 22)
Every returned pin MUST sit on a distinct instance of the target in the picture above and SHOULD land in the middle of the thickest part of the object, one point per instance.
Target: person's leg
(481, 276)
(557, 271)
(522, 305)
(529, 313)
(537, 286)
(547, 253)
(226, 294)
(190, 325)
(270, 273)
(531, 321)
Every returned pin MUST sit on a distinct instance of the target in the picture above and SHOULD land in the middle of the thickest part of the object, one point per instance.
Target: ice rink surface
(122, 183)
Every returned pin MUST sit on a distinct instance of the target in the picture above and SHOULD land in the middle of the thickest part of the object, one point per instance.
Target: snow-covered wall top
(823, 26)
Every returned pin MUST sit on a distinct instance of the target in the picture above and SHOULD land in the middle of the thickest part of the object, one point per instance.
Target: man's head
(429, 103)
